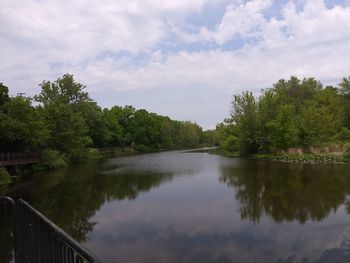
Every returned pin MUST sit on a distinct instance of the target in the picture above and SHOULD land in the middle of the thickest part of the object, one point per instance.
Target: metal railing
(38, 240)
(18, 158)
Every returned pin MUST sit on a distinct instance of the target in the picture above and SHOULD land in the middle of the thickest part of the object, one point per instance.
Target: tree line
(63, 118)
(292, 113)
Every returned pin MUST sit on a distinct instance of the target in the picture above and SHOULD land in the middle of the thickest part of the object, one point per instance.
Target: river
(196, 207)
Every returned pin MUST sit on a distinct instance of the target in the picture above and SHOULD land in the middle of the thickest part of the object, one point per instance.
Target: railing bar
(67, 239)
(38, 240)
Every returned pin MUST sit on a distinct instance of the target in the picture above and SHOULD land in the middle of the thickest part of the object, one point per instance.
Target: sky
(181, 58)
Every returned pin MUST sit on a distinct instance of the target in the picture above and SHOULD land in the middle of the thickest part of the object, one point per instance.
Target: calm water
(196, 207)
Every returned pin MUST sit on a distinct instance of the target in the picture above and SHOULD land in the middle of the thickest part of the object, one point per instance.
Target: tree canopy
(65, 119)
(293, 113)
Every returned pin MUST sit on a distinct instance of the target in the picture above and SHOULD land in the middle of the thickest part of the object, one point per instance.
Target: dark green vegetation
(66, 126)
(5, 178)
(299, 114)
(303, 158)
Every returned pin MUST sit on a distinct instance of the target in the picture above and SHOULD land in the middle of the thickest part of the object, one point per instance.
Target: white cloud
(241, 19)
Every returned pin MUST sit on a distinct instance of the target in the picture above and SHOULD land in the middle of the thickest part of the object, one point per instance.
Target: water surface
(196, 207)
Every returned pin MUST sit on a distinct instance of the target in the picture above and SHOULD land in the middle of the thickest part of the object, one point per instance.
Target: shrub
(142, 148)
(346, 148)
(230, 144)
(83, 155)
(5, 178)
(51, 159)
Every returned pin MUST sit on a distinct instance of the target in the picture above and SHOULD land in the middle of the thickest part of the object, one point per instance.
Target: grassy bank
(290, 158)
(302, 158)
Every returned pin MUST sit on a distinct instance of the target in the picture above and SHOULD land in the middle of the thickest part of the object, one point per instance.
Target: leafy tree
(67, 111)
(293, 113)
(64, 90)
(283, 130)
(4, 94)
(67, 129)
(244, 115)
(21, 126)
(67, 122)
(114, 136)
(344, 90)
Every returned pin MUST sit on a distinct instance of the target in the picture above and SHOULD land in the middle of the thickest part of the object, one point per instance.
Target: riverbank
(302, 158)
(52, 160)
(311, 158)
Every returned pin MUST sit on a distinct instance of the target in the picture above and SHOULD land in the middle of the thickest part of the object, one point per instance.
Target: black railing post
(11, 202)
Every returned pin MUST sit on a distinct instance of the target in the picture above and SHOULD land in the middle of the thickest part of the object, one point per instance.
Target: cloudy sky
(182, 58)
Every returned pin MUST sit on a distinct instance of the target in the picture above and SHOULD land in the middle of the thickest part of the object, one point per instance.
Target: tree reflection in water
(71, 197)
(279, 191)
(71, 200)
(287, 192)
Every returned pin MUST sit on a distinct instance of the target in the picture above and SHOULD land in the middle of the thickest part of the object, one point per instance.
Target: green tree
(4, 94)
(293, 113)
(64, 90)
(344, 90)
(244, 115)
(67, 129)
(21, 126)
(283, 131)
(67, 110)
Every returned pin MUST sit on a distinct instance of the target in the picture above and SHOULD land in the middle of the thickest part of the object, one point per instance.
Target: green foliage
(51, 159)
(211, 138)
(146, 131)
(4, 94)
(283, 130)
(230, 144)
(5, 178)
(22, 127)
(293, 113)
(67, 129)
(79, 155)
(303, 158)
(244, 115)
(347, 151)
(64, 90)
(343, 135)
(69, 123)
(344, 90)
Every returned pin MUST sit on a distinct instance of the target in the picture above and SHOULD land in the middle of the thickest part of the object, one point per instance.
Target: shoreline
(305, 158)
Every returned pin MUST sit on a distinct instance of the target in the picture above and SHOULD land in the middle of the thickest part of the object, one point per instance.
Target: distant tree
(344, 90)
(4, 94)
(344, 86)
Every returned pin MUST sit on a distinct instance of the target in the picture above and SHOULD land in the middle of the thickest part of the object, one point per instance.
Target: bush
(230, 144)
(346, 149)
(83, 155)
(5, 178)
(51, 159)
(344, 134)
(142, 148)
